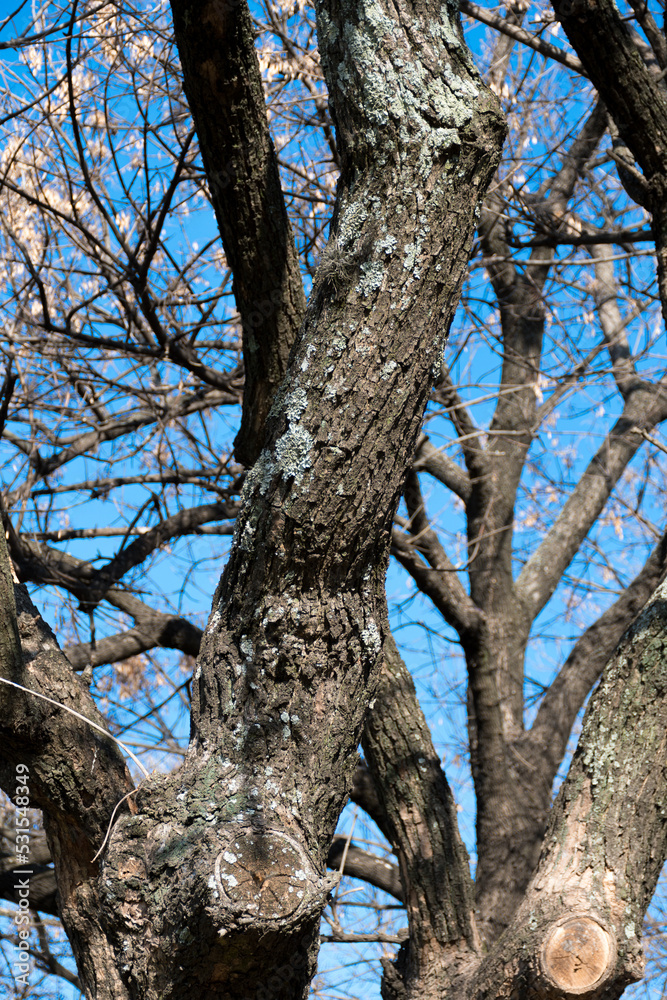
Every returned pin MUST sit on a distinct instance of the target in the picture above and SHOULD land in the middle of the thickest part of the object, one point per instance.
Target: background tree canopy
(231, 260)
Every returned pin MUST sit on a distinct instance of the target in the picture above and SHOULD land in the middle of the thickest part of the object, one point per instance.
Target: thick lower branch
(156, 630)
(421, 819)
(578, 927)
(72, 773)
(441, 467)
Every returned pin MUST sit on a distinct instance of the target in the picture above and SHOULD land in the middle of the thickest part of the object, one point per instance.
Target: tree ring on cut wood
(578, 954)
(264, 874)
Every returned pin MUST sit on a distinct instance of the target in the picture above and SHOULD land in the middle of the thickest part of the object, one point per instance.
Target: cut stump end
(578, 954)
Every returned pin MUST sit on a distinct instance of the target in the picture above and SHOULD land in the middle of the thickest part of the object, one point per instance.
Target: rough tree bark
(577, 929)
(213, 879)
(214, 886)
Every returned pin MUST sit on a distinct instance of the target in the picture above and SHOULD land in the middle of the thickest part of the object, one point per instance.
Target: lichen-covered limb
(222, 81)
(606, 840)
(37, 562)
(297, 622)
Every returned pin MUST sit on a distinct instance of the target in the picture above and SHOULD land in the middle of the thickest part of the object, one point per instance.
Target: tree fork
(215, 885)
(226, 857)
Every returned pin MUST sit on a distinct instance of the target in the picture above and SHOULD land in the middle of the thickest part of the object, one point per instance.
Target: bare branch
(156, 630)
(612, 323)
(118, 427)
(546, 742)
(441, 467)
(469, 434)
(365, 866)
(440, 583)
(541, 574)
(521, 35)
(655, 36)
(365, 795)
(421, 814)
(520, 295)
(227, 102)
(39, 562)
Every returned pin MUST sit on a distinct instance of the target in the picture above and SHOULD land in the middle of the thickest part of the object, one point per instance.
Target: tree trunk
(215, 885)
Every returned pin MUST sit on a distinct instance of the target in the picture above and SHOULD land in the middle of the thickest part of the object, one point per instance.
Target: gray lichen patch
(351, 223)
(293, 453)
(295, 404)
(413, 88)
(393, 83)
(386, 244)
(373, 270)
(310, 350)
(260, 476)
(437, 142)
(444, 28)
(246, 537)
(370, 637)
(411, 252)
(337, 345)
(290, 457)
(372, 273)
